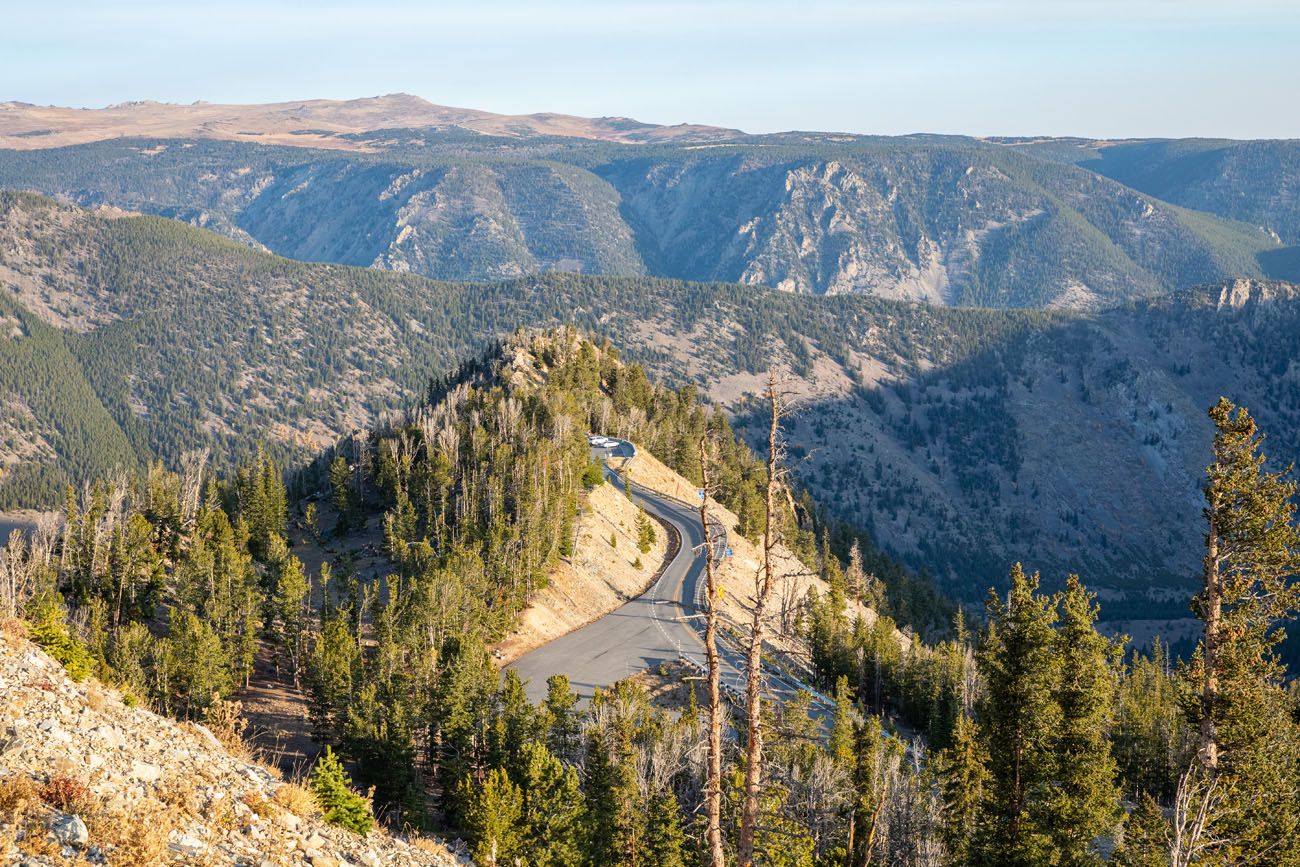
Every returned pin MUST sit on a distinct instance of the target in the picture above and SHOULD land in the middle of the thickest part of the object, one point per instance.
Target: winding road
(664, 624)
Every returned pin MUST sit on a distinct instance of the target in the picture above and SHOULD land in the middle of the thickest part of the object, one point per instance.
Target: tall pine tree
(1084, 803)
(1020, 717)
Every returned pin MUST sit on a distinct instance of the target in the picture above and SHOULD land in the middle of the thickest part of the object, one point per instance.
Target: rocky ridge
(129, 787)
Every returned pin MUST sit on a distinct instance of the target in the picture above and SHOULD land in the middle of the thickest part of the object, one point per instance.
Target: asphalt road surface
(640, 634)
(665, 624)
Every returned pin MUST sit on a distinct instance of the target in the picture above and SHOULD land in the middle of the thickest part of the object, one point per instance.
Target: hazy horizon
(1098, 69)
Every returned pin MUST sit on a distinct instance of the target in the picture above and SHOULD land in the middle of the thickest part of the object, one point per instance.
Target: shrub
(295, 799)
(259, 805)
(593, 476)
(645, 532)
(18, 795)
(68, 794)
(226, 722)
(49, 629)
(341, 806)
(134, 836)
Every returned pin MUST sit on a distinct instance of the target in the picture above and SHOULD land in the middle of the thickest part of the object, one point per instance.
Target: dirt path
(278, 726)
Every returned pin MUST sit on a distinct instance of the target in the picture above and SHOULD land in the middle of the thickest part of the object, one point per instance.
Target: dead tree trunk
(1213, 612)
(713, 781)
(754, 663)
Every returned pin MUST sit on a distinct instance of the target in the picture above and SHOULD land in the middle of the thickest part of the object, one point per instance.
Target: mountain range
(398, 184)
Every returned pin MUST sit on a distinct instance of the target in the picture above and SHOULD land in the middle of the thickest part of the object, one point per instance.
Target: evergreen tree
(492, 818)
(1249, 738)
(343, 492)
(290, 608)
(48, 627)
(1084, 801)
(1152, 741)
(843, 726)
(617, 816)
(334, 795)
(963, 780)
(664, 839)
(1019, 717)
(1146, 837)
(515, 727)
(332, 669)
(553, 810)
(462, 721)
(193, 665)
(645, 531)
(561, 719)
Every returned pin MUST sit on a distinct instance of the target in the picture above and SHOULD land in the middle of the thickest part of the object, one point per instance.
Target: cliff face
(966, 226)
(86, 778)
(460, 222)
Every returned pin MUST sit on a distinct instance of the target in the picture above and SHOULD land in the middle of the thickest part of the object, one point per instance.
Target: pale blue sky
(1013, 67)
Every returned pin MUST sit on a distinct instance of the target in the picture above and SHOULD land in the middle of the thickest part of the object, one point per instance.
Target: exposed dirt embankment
(597, 579)
(740, 571)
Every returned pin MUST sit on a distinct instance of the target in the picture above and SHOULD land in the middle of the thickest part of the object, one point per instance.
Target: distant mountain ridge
(323, 123)
(1253, 181)
(947, 222)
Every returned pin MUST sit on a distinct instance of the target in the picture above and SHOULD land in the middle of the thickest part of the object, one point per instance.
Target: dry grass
(38, 844)
(260, 806)
(432, 846)
(19, 795)
(178, 795)
(96, 698)
(136, 837)
(12, 629)
(296, 799)
(225, 719)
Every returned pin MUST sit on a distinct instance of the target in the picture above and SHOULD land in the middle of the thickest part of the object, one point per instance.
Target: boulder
(70, 830)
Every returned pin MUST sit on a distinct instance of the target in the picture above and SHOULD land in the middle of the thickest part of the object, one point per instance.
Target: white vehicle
(602, 442)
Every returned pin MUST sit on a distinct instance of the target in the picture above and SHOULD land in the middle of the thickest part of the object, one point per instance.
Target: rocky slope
(84, 778)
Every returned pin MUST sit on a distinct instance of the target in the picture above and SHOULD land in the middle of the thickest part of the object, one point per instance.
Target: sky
(1098, 68)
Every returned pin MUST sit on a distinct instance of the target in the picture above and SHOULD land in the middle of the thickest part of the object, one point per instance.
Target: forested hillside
(942, 431)
(1257, 182)
(170, 585)
(1028, 738)
(947, 220)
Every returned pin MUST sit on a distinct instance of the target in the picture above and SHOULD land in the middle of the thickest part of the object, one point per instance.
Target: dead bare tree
(713, 776)
(191, 490)
(777, 399)
(1197, 804)
(15, 575)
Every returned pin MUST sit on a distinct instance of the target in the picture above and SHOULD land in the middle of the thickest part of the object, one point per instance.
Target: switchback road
(664, 624)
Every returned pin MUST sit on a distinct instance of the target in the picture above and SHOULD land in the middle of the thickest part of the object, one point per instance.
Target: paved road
(665, 624)
(642, 633)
